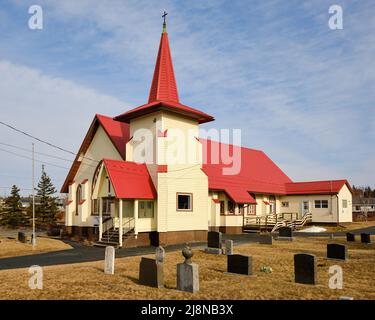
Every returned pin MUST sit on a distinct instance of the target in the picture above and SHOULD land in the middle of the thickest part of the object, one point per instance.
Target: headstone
(265, 239)
(21, 237)
(187, 273)
(228, 247)
(285, 233)
(160, 254)
(337, 251)
(214, 239)
(151, 273)
(109, 262)
(237, 263)
(305, 267)
(350, 237)
(214, 243)
(365, 238)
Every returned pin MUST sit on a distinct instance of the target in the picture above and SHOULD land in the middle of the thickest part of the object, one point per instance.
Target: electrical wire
(42, 141)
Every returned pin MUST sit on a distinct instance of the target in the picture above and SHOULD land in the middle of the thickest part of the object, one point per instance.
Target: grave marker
(305, 268)
(237, 263)
(187, 273)
(109, 261)
(350, 237)
(151, 273)
(337, 251)
(365, 238)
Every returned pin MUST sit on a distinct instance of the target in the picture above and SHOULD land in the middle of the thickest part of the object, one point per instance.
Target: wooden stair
(111, 237)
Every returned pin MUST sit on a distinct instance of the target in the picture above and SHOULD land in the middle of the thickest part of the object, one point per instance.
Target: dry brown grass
(13, 248)
(346, 227)
(87, 280)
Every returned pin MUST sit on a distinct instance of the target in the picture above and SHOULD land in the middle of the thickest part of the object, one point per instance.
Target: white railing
(128, 225)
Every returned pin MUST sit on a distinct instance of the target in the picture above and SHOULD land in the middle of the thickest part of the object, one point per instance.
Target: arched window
(78, 197)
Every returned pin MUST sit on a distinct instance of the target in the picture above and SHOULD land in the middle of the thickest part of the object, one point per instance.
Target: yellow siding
(100, 147)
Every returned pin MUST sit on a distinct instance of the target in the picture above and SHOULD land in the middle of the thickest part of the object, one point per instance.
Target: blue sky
(300, 91)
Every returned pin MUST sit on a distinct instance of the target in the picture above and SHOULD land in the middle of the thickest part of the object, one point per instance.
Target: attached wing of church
(113, 198)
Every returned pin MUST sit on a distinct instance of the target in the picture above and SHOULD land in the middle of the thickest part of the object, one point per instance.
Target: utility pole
(33, 237)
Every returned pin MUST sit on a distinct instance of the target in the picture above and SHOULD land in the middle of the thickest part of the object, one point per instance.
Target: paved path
(81, 253)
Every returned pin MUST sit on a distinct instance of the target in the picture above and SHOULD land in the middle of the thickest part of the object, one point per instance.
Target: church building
(115, 197)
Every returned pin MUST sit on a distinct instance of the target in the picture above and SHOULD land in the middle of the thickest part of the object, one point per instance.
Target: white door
(305, 207)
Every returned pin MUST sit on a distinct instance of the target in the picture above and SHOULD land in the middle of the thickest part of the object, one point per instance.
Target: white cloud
(53, 109)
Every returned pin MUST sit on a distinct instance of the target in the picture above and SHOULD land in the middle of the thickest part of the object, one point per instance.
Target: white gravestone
(109, 263)
(228, 247)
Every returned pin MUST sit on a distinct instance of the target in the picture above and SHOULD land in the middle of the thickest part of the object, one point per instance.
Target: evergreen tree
(12, 213)
(46, 208)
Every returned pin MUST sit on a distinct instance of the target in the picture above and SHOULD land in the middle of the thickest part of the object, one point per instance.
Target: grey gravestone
(109, 262)
(265, 239)
(160, 254)
(237, 263)
(21, 237)
(151, 273)
(365, 238)
(187, 273)
(337, 251)
(285, 233)
(350, 237)
(214, 243)
(228, 247)
(305, 267)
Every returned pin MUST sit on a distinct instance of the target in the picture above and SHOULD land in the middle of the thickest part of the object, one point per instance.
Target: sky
(300, 91)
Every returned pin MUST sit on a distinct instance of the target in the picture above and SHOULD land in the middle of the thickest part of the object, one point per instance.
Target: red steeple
(163, 87)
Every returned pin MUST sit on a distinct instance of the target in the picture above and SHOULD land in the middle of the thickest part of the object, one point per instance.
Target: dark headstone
(214, 239)
(151, 273)
(21, 237)
(265, 239)
(237, 263)
(305, 268)
(285, 232)
(337, 251)
(365, 238)
(350, 237)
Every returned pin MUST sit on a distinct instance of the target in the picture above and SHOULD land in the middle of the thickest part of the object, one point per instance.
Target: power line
(22, 156)
(41, 153)
(42, 141)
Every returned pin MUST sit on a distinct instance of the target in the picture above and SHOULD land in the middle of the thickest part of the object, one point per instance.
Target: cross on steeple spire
(164, 23)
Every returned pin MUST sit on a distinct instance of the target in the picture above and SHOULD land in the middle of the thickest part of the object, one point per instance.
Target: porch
(121, 219)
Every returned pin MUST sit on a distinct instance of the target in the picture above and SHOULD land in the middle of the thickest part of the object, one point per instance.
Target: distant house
(363, 208)
(363, 205)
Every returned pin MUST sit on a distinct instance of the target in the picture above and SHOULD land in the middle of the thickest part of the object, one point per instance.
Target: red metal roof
(163, 87)
(258, 173)
(163, 92)
(316, 187)
(117, 132)
(130, 180)
(170, 106)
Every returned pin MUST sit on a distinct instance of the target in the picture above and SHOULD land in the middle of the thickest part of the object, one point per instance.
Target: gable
(111, 141)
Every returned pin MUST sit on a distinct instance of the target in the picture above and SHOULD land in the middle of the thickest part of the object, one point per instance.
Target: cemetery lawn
(347, 227)
(13, 248)
(88, 281)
